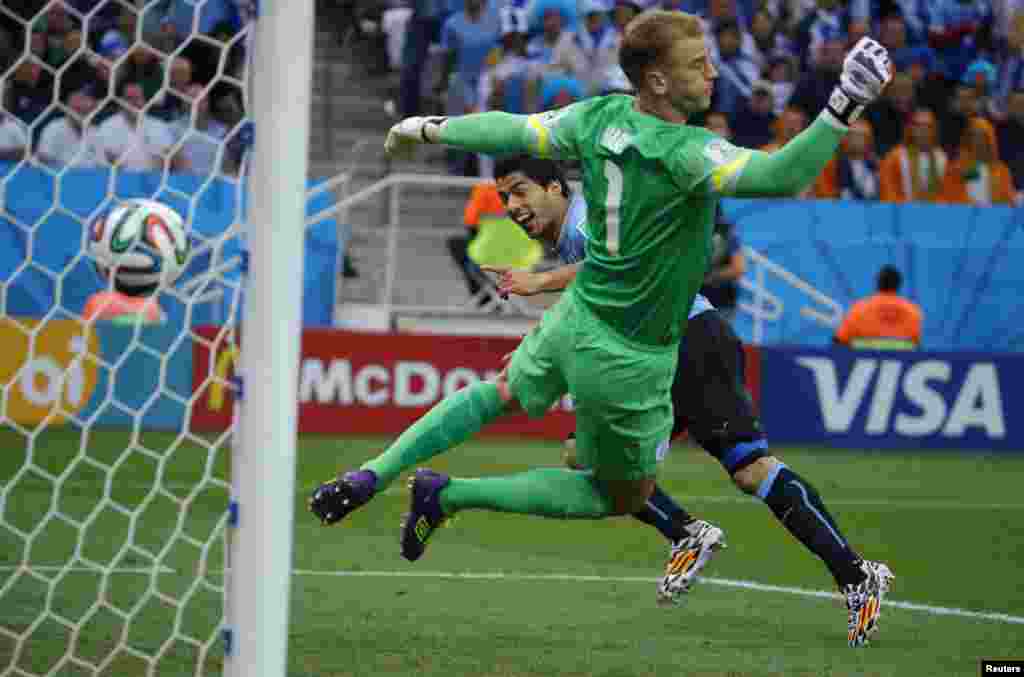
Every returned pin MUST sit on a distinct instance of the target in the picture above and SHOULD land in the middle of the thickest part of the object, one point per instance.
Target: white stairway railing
(764, 306)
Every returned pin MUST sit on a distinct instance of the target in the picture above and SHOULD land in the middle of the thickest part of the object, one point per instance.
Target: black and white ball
(141, 244)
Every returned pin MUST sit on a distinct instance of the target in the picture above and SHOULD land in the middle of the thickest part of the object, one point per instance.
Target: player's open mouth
(528, 222)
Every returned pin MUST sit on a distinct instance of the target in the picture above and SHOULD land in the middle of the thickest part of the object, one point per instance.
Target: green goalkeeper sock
(452, 421)
(548, 492)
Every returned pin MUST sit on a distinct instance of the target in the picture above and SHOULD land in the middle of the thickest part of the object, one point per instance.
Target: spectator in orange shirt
(884, 321)
(853, 173)
(978, 176)
(913, 170)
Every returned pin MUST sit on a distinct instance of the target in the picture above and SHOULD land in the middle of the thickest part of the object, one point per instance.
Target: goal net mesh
(113, 508)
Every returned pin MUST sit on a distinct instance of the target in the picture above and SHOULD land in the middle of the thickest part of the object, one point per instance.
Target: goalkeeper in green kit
(651, 184)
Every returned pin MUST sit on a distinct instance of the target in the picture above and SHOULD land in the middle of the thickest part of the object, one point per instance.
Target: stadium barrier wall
(353, 383)
(362, 383)
(959, 263)
(29, 222)
(892, 400)
(61, 380)
(359, 383)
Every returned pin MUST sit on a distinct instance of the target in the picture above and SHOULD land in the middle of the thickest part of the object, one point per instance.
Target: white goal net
(113, 504)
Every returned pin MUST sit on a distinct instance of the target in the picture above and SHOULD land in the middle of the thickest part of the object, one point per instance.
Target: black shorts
(710, 397)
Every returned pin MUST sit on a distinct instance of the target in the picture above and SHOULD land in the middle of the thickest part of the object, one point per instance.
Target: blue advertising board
(873, 399)
(43, 236)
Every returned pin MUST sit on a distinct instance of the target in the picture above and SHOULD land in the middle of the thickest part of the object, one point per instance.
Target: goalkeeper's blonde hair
(648, 41)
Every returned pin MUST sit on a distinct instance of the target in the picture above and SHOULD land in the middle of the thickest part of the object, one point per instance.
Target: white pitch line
(725, 582)
(682, 498)
(868, 502)
(568, 578)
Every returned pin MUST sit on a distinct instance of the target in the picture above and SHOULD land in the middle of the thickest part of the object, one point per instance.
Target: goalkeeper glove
(866, 72)
(404, 136)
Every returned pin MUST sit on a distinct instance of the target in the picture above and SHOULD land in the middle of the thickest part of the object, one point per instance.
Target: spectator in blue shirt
(892, 34)
(915, 16)
(565, 8)
(736, 73)
(766, 40)
(828, 23)
(467, 38)
(960, 31)
(424, 28)
(1011, 71)
(541, 50)
(596, 42)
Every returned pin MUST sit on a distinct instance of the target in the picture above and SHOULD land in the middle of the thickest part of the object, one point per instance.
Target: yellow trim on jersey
(723, 177)
(542, 135)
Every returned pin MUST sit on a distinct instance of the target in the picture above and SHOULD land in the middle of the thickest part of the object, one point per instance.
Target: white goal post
(133, 542)
(263, 468)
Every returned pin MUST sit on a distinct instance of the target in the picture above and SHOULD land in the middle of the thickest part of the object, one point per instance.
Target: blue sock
(797, 505)
(665, 515)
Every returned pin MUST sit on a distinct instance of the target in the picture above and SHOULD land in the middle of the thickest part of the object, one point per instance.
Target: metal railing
(763, 305)
(768, 307)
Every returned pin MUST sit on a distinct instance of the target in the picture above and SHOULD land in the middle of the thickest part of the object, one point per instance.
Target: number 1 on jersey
(612, 204)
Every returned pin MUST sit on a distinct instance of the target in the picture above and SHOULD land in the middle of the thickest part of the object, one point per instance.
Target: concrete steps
(425, 273)
(349, 122)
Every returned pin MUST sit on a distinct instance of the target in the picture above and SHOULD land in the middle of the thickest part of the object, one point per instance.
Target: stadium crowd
(949, 129)
(137, 85)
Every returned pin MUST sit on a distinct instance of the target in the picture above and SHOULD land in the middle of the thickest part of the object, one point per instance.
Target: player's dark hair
(889, 279)
(539, 170)
(649, 38)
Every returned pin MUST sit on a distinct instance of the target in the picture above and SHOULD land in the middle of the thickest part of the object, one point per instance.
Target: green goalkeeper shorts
(622, 389)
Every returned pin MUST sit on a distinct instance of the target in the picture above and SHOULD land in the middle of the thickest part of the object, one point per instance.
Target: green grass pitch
(504, 595)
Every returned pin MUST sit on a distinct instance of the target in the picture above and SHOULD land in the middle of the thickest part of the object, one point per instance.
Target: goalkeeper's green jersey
(649, 225)
(651, 189)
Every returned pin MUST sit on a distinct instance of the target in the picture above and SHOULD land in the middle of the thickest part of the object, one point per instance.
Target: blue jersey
(571, 247)
(951, 14)
(472, 41)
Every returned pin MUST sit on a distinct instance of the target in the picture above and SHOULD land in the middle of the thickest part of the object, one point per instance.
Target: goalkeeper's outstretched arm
(546, 134)
(787, 171)
(782, 173)
(492, 132)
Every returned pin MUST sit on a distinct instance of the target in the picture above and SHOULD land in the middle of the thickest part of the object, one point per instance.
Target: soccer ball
(141, 244)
